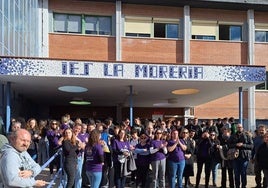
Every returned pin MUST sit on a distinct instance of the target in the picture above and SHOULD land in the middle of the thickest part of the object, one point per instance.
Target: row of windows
(102, 25)
(98, 25)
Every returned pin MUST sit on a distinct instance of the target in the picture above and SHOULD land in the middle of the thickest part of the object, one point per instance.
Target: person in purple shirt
(143, 160)
(53, 136)
(158, 152)
(176, 159)
(121, 150)
(94, 157)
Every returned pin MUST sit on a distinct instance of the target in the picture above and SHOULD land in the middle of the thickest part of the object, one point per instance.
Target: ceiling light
(79, 101)
(73, 89)
(185, 91)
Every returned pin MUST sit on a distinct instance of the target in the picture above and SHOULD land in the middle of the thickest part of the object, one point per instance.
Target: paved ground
(251, 181)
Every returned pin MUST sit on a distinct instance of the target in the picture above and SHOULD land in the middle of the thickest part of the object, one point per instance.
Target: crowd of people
(103, 154)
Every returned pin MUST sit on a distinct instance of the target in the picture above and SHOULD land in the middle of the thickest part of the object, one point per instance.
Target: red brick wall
(152, 50)
(81, 47)
(261, 54)
(215, 52)
(261, 104)
(227, 106)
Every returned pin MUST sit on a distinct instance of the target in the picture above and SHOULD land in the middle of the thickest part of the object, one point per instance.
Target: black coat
(262, 156)
(245, 150)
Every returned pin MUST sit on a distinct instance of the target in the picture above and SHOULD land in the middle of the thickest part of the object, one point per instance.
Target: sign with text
(117, 70)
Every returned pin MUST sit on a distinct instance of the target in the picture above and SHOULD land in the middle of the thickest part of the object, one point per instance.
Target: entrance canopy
(108, 83)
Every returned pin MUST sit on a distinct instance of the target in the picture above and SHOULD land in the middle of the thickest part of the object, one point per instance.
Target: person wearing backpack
(242, 141)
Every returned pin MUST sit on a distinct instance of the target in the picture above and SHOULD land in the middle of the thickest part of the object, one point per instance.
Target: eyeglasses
(212, 135)
(54, 123)
(158, 133)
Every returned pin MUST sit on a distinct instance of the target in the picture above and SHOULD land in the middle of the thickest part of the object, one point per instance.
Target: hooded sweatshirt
(11, 162)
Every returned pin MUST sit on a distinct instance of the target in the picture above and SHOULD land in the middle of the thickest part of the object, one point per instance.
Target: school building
(146, 58)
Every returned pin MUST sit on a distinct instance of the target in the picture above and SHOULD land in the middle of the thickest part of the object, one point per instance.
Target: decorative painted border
(117, 70)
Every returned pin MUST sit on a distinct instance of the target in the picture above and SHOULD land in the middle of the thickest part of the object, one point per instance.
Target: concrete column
(251, 91)
(118, 30)
(187, 114)
(43, 28)
(131, 105)
(240, 105)
(186, 34)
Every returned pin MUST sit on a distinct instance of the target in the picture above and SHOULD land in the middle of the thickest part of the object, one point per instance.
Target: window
(166, 30)
(263, 86)
(137, 35)
(203, 37)
(67, 23)
(151, 27)
(204, 29)
(100, 25)
(261, 36)
(138, 27)
(230, 32)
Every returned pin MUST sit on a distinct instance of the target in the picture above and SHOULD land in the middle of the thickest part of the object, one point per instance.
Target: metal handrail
(59, 172)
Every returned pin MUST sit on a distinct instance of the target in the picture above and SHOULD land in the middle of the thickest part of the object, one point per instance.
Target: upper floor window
(151, 27)
(203, 37)
(69, 23)
(263, 86)
(166, 30)
(230, 32)
(204, 30)
(100, 25)
(212, 30)
(261, 36)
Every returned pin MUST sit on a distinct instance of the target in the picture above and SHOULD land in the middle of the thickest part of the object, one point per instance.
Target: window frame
(150, 21)
(230, 32)
(66, 22)
(82, 24)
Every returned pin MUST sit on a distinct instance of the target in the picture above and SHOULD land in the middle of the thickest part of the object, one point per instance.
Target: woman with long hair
(32, 127)
(121, 151)
(70, 147)
(188, 154)
(53, 136)
(176, 160)
(143, 160)
(94, 157)
(158, 152)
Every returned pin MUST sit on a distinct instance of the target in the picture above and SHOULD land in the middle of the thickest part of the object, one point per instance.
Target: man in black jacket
(242, 141)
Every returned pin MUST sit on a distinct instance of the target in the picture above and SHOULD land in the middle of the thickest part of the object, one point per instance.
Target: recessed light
(80, 102)
(73, 89)
(185, 91)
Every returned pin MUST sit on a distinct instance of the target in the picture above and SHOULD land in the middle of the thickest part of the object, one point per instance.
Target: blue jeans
(78, 174)
(214, 169)
(176, 169)
(94, 179)
(240, 170)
